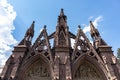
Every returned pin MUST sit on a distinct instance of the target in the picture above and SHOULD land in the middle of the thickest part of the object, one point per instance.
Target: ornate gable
(41, 61)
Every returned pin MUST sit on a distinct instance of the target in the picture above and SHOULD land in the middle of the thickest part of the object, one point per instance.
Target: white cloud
(1, 67)
(72, 42)
(86, 28)
(41, 30)
(91, 17)
(7, 16)
(3, 59)
(95, 22)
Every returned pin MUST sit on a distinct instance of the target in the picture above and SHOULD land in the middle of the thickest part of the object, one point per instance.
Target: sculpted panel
(37, 72)
(87, 72)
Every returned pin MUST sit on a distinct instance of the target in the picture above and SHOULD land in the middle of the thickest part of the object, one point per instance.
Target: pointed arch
(86, 63)
(62, 39)
(37, 64)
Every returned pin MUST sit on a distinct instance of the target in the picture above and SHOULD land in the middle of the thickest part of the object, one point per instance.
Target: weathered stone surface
(41, 61)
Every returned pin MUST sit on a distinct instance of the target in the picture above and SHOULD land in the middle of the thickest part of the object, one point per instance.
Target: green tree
(118, 53)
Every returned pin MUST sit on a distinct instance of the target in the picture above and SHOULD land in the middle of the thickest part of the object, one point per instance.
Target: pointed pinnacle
(90, 21)
(62, 12)
(33, 22)
(79, 26)
(92, 26)
(44, 26)
(32, 25)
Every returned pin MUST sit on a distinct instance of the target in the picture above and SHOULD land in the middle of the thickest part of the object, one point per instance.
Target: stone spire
(94, 32)
(30, 32)
(62, 12)
(28, 35)
(62, 18)
(62, 31)
(97, 40)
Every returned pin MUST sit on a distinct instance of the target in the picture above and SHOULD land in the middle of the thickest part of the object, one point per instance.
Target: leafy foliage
(118, 54)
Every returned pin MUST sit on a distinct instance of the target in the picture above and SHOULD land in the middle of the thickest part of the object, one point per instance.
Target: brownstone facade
(41, 61)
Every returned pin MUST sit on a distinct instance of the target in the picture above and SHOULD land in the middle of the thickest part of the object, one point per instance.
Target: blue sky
(20, 13)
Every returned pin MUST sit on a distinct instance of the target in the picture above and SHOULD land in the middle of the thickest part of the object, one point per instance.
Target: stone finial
(45, 26)
(33, 22)
(79, 26)
(62, 12)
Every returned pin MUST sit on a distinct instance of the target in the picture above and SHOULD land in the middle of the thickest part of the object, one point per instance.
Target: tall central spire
(62, 18)
(62, 48)
(62, 38)
(62, 12)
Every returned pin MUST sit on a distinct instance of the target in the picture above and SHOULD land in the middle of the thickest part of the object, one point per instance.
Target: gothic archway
(37, 71)
(86, 68)
(87, 71)
(36, 68)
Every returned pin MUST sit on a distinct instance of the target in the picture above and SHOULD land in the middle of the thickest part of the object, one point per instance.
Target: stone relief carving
(37, 72)
(62, 40)
(87, 72)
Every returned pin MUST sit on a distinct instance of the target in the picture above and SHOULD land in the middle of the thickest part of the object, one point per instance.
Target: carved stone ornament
(37, 72)
(87, 72)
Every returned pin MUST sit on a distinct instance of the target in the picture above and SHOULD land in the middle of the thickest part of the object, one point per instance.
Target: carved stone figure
(37, 72)
(87, 72)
